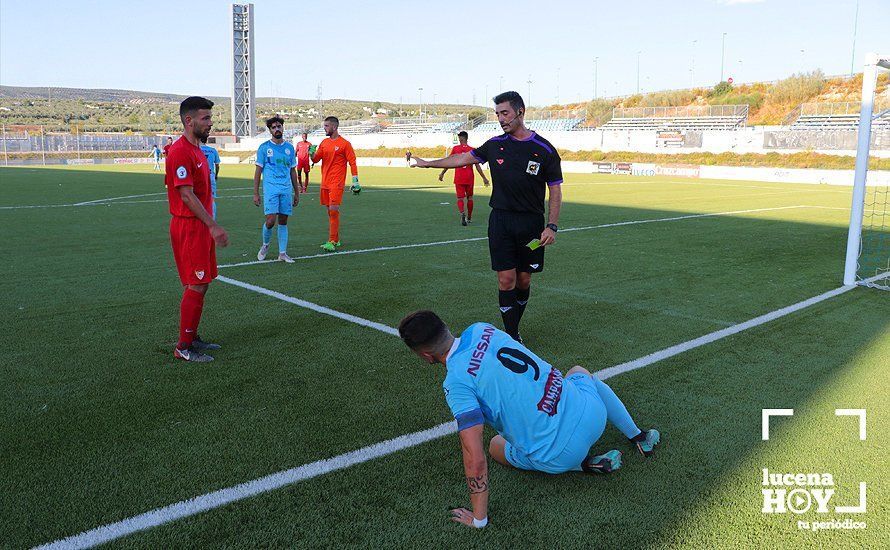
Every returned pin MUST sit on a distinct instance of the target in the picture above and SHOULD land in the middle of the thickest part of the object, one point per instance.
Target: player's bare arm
(476, 472)
(485, 181)
(554, 203)
(194, 204)
(296, 185)
(257, 174)
(454, 161)
(442, 175)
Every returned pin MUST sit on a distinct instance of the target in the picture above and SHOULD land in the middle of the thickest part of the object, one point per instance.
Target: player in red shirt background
(304, 152)
(167, 147)
(464, 179)
(194, 233)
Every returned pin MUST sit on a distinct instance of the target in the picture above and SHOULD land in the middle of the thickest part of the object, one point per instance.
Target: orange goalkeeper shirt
(334, 154)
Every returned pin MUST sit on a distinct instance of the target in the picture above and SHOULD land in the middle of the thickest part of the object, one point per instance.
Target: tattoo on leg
(477, 484)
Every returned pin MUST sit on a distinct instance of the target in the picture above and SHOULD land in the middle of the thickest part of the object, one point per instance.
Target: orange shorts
(193, 250)
(329, 197)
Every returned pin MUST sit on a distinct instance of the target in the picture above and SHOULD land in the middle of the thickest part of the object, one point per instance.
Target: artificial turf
(100, 424)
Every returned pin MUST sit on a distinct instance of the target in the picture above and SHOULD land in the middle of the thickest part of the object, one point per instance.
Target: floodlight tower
(243, 78)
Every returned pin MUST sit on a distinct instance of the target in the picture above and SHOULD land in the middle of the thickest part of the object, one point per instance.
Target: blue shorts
(278, 203)
(591, 417)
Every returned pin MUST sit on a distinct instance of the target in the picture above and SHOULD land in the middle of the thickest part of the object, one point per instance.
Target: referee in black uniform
(523, 165)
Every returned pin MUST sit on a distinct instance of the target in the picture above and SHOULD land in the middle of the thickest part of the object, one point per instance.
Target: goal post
(868, 240)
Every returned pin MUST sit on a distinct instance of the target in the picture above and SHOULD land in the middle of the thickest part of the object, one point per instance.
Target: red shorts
(303, 165)
(329, 196)
(193, 250)
(463, 190)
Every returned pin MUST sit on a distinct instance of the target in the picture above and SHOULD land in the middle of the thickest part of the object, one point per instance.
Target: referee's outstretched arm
(454, 161)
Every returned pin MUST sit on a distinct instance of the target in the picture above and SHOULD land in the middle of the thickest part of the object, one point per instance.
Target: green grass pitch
(100, 424)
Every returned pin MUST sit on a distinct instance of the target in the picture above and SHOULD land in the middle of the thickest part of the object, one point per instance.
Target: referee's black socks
(522, 295)
(509, 312)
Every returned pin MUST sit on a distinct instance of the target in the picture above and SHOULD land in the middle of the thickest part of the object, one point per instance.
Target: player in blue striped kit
(545, 422)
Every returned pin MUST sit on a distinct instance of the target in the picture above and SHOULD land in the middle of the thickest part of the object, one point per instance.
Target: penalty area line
(222, 497)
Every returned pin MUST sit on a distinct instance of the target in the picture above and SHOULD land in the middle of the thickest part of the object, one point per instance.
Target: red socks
(333, 225)
(469, 208)
(460, 205)
(189, 316)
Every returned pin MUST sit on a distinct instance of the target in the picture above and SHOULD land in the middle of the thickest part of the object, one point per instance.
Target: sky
(456, 51)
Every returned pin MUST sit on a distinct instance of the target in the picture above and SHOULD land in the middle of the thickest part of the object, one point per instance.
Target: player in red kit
(464, 179)
(304, 154)
(194, 233)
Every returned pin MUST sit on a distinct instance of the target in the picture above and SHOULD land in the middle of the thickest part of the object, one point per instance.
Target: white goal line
(474, 239)
(222, 497)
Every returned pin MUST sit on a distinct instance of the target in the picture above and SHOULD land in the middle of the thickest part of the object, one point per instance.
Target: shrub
(797, 88)
(720, 89)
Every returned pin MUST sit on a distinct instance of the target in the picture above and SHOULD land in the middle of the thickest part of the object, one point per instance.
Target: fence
(35, 141)
(823, 140)
(843, 108)
(427, 119)
(537, 114)
(740, 111)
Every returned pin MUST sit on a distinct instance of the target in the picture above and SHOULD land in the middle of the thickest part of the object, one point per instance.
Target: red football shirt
(302, 148)
(187, 165)
(463, 175)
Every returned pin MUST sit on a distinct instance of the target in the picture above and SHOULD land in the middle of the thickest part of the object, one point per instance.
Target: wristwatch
(553, 227)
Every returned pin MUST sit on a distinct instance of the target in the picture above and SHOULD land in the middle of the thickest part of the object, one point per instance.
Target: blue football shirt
(276, 162)
(212, 160)
(520, 395)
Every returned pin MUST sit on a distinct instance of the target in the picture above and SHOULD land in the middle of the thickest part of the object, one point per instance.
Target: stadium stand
(839, 116)
(425, 125)
(547, 125)
(698, 117)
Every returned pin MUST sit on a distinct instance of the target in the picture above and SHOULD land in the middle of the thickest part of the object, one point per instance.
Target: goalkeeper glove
(356, 188)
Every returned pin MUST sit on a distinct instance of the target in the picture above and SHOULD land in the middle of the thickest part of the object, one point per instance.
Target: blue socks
(282, 238)
(616, 412)
(267, 234)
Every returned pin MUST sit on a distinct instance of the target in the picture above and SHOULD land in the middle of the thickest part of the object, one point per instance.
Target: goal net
(868, 242)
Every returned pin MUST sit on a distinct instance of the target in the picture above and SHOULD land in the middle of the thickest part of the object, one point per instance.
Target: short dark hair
(192, 104)
(273, 119)
(513, 97)
(463, 134)
(422, 329)
(333, 119)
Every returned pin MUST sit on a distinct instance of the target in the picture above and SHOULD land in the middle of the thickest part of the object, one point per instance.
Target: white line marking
(676, 218)
(310, 305)
(216, 499)
(719, 334)
(118, 200)
(473, 239)
(104, 202)
(84, 203)
(203, 503)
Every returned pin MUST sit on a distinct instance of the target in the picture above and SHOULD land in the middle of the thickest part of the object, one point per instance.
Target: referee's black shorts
(508, 236)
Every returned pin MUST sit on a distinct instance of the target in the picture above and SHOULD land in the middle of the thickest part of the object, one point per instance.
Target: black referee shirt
(520, 171)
